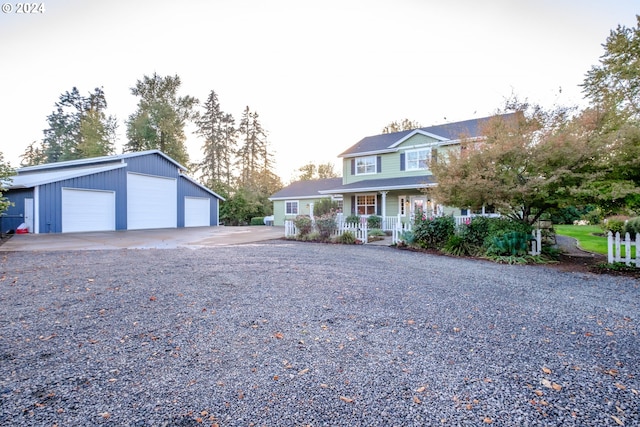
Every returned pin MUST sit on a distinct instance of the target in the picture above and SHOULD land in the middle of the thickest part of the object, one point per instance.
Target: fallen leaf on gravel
(588, 334)
(152, 298)
(304, 371)
(89, 280)
(416, 400)
(609, 333)
(421, 389)
(546, 370)
(43, 338)
(411, 322)
(621, 386)
(105, 415)
(617, 420)
(612, 372)
(539, 392)
(323, 385)
(545, 382)
(346, 399)
(487, 420)
(556, 387)
(278, 335)
(275, 378)
(456, 329)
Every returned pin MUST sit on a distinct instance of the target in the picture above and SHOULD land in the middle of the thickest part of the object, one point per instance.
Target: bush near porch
(500, 239)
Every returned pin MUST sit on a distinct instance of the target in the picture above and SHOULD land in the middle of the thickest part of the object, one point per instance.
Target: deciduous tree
(405, 124)
(161, 117)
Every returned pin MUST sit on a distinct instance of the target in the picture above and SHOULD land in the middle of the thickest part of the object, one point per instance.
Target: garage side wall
(188, 189)
(14, 216)
(50, 198)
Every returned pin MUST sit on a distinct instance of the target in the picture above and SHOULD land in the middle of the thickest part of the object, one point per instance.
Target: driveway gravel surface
(282, 333)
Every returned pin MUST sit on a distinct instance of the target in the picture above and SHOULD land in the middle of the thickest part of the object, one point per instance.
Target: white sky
(321, 74)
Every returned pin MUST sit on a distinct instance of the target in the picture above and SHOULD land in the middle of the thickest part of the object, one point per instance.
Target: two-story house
(388, 175)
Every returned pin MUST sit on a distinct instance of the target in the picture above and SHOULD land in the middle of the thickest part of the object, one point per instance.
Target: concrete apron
(171, 238)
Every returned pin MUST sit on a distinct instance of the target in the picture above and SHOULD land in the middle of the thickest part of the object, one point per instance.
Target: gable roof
(445, 132)
(95, 160)
(309, 189)
(32, 176)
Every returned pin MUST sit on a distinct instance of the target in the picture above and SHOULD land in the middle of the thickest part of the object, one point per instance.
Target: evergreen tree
(253, 156)
(219, 133)
(78, 128)
(161, 117)
(6, 171)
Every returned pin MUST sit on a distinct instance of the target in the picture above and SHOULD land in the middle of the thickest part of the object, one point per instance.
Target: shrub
(304, 224)
(458, 246)
(632, 226)
(407, 237)
(257, 220)
(374, 221)
(324, 206)
(352, 219)
(347, 238)
(594, 216)
(314, 236)
(513, 243)
(434, 233)
(326, 225)
(614, 224)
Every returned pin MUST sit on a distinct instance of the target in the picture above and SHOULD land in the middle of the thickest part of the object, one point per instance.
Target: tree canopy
(316, 171)
(78, 128)
(161, 117)
(404, 124)
(6, 171)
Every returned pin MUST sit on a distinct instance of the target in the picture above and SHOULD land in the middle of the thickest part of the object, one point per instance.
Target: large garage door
(88, 210)
(197, 212)
(152, 202)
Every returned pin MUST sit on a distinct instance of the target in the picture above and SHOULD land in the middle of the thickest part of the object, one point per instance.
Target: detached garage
(130, 191)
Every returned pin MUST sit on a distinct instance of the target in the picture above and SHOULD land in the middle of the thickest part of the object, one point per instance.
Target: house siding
(304, 208)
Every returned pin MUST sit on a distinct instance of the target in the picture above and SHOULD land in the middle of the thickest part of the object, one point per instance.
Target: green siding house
(388, 175)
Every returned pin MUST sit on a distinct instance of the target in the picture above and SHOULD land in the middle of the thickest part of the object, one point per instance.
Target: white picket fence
(396, 235)
(359, 230)
(615, 245)
(536, 242)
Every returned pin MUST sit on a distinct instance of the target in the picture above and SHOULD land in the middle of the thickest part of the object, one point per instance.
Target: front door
(418, 204)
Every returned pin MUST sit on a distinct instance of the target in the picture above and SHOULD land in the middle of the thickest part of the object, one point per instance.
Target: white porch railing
(615, 244)
(397, 231)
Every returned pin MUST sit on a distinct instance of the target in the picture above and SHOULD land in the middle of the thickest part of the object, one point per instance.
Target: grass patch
(587, 238)
(585, 234)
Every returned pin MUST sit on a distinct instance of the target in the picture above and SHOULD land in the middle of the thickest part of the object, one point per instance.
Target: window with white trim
(291, 207)
(401, 205)
(418, 159)
(339, 202)
(366, 165)
(366, 204)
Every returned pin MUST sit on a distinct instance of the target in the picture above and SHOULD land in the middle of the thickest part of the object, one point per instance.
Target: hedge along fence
(359, 229)
(615, 245)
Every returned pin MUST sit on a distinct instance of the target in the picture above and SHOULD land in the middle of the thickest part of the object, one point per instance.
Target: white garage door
(88, 210)
(152, 202)
(197, 211)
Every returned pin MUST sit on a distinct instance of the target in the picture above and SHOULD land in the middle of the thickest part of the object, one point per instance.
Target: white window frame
(339, 200)
(402, 205)
(375, 204)
(369, 162)
(295, 203)
(414, 165)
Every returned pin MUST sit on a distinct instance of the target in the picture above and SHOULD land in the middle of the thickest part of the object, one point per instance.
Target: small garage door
(88, 210)
(197, 212)
(152, 202)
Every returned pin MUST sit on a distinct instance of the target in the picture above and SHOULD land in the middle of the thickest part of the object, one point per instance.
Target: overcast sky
(321, 74)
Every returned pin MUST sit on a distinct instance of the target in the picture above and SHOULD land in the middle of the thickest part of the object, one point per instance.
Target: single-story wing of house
(139, 190)
(298, 198)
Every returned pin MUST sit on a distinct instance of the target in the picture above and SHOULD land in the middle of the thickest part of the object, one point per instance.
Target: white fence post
(610, 254)
(614, 247)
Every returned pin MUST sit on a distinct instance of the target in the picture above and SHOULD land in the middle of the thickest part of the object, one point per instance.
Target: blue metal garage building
(132, 191)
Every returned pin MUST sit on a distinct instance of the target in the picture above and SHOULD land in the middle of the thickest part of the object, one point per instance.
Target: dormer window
(418, 159)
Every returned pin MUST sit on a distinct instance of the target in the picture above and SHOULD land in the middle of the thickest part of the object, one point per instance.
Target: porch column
(384, 203)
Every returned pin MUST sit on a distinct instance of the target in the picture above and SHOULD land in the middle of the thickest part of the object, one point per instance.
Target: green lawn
(587, 240)
(585, 236)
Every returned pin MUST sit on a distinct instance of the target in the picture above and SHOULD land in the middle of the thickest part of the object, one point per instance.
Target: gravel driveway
(284, 333)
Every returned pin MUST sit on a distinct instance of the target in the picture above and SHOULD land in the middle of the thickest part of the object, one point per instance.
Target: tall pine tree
(219, 133)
